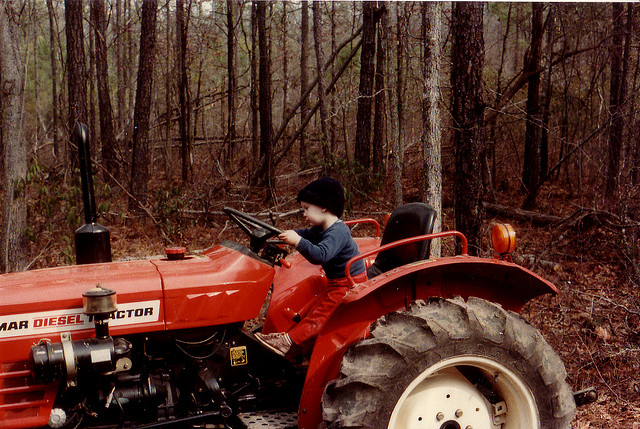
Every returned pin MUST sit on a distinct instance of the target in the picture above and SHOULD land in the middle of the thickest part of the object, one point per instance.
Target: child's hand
(290, 237)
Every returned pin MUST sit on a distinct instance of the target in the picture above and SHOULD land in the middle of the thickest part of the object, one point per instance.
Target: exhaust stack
(92, 239)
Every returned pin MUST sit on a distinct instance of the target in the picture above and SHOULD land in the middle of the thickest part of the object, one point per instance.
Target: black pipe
(86, 176)
(93, 243)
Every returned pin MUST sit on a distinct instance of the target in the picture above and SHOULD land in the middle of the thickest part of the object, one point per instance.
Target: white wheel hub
(442, 398)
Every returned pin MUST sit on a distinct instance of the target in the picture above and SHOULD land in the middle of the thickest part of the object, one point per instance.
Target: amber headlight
(503, 238)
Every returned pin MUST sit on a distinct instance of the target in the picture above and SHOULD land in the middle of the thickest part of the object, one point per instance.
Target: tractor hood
(224, 284)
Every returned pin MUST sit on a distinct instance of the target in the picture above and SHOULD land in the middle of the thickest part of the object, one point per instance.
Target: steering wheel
(258, 231)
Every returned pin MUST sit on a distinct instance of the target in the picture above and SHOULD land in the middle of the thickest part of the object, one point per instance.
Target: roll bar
(364, 220)
(463, 240)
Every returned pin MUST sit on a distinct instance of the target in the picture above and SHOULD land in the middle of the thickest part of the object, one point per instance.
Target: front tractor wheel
(450, 364)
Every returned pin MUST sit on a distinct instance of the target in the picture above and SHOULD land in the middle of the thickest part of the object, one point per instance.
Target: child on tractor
(327, 242)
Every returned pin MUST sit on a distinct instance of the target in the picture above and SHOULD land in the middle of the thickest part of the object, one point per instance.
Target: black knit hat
(326, 193)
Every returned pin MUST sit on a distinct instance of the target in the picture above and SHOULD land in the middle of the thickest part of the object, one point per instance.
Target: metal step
(265, 420)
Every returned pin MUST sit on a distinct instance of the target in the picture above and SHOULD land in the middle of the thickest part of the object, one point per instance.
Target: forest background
(492, 112)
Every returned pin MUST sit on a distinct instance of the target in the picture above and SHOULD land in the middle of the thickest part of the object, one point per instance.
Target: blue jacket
(331, 248)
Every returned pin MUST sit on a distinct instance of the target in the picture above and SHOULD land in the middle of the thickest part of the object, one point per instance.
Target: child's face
(314, 214)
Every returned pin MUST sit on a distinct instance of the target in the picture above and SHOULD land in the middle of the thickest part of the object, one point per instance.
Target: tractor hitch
(585, 396)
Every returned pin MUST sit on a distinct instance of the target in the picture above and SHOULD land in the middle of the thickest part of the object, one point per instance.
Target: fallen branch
(615, 304)
(535, 218)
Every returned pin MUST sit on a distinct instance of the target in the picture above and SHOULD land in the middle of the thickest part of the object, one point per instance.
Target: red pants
(304, 333)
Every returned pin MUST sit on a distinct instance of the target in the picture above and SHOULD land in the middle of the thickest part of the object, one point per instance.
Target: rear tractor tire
(450, 364)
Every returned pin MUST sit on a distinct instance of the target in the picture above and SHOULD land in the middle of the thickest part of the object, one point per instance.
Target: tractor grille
(269, 420)
(23, 403)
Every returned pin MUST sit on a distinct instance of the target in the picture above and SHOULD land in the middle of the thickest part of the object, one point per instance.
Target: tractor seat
(408, 220)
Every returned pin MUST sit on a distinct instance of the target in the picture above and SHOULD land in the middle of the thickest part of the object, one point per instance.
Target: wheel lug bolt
(458, 413)
(440, 416)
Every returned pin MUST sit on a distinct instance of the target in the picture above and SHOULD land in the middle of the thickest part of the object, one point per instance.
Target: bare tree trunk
(332, 95)
(231, 71)
(107, 136)
(36, 83)
(466, 83)
(634, 148)
(394, 123)
(264, 100)
(94, 141)
(193, 124)
(365, 91)
(432, 131)
(304, 78)
(167, 93)
(255, 115)
(380, 98)
(400, 89)
(120, 69)
(54, 81)
(183, 92)
(533, 132)
(285, 62)
(141, 158)
(547, 94)
(398, 156)
(317, 37)
(76, 68)
(129, 56)
(617, 94)
(13, 145)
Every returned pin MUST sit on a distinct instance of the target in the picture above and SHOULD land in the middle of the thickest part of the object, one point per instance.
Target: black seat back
(408, 220)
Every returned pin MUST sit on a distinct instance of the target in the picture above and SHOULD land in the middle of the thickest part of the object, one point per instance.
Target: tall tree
(396, 84)
(380, 98)
(432, 131)
(617, 94)
(634, 145)
(91, 82)
(107, 135)
(264, 99)
(36, 89)
(54, 79)
(318, 40)
(547, 93)
(183, 91)
(400, 86)
(253, 93)
(76, 66)
(168, 86)
(332, 95)
(467, 58)
(12, 144)
(141, 158)
(285, 61)
(533, 131)
(232, 85)
(130, 47)
(121, 70)
(365, 90)
(304, 77)
(392, 25)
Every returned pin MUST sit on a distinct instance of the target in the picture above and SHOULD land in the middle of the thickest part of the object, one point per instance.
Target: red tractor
(153, 343)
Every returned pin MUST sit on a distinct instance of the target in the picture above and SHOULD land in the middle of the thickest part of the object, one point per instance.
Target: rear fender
(498, 281)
